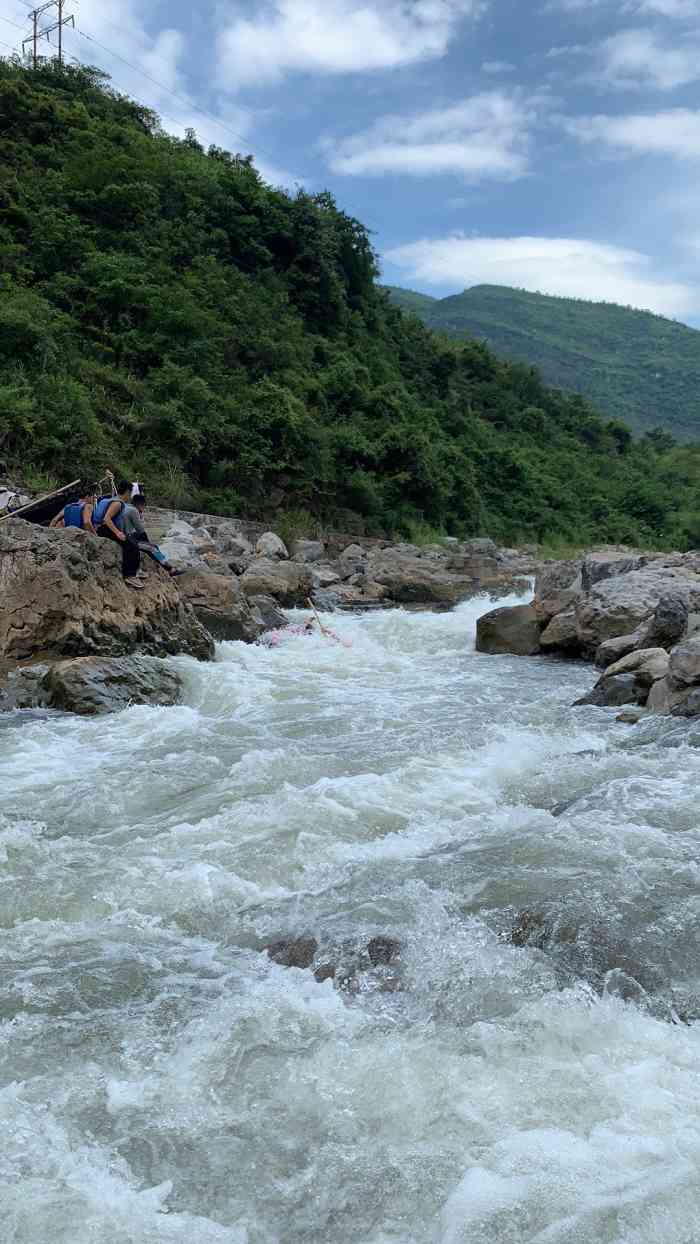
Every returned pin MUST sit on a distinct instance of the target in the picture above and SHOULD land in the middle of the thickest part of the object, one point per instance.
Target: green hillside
(165, 312)
(632, 365)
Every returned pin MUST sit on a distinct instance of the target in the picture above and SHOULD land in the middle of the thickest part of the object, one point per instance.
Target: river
(162, 1080)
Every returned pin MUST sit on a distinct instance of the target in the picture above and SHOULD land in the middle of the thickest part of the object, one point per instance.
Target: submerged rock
(90, 686)
(515, 630)
(63, 595)
(383, 950)
(293, 952)
(530, 929)
(93, 685)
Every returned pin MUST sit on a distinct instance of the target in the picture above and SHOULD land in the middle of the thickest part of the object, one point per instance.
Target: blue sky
(548, 144)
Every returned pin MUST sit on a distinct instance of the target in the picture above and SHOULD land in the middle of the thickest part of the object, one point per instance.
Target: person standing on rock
(108, 518)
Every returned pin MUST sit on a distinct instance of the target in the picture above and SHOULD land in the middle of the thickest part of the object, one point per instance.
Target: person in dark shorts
(108, 518)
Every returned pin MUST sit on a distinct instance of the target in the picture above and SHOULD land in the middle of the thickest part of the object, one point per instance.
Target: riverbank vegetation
(165, 311)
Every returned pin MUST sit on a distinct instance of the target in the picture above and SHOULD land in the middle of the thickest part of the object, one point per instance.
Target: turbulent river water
(161, 1080)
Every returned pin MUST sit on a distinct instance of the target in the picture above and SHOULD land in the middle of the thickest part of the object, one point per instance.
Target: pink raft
(272, 639)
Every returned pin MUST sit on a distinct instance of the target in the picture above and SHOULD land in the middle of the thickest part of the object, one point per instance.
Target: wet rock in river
(515, 630)
(383, 950)
(293, 952)
(530, 929)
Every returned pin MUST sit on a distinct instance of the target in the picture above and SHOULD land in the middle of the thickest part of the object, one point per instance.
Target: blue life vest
(98, 514)
(73, 514)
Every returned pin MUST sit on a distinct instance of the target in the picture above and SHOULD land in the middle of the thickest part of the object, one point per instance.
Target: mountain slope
(632, 365)
(166, 313)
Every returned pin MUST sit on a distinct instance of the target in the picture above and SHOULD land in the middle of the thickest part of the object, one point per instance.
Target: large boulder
(289, 583)
(608, 563)
(411, 580)
(272, 547)
(515, 630)
(63, 595)
(620, 605)
(221, 606)
(92, 685)
(268, 613)
(556, 588)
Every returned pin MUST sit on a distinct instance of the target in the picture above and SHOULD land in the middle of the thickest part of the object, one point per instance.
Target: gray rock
(230, 541)
(353, 553)
(561, 633)
(612, 650)
(684, 667)
(187, 546)
(689, 705)
(288, 583)
(221, 606)
(623, 604)
(63, 595)
(607, 564)
(667, 625)
(271, 547)
(556, 588)
(93, 685)
(515, 630)
(268, 612)
(630, 716)
(612, 692)
(308, 550)
(323, 576)
(481, 547)
(23, 688)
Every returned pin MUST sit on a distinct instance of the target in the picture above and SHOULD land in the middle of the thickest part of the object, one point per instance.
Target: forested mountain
(165, 312)
(632, 365)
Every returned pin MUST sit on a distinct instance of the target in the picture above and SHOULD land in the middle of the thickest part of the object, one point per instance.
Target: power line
(15, 24)
(161, 85)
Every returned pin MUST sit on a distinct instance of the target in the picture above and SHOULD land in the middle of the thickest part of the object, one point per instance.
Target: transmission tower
(44, 32)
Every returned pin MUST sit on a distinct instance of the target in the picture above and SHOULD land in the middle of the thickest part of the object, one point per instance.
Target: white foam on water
(161, 1079)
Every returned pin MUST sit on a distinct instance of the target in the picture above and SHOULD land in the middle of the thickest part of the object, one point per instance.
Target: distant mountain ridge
(632, 365)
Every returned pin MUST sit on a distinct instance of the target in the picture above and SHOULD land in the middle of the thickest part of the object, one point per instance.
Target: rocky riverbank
(73, 636)
(635, 615)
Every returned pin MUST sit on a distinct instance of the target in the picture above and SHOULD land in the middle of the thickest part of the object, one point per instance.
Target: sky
(552, 145)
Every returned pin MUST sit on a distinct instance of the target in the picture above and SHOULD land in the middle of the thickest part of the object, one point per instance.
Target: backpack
(73, 514)
(98, 514)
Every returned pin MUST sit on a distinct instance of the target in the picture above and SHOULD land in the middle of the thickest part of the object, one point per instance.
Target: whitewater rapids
(161, 1080)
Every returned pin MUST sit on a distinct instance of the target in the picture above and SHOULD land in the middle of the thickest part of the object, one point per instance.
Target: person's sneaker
(134, 584)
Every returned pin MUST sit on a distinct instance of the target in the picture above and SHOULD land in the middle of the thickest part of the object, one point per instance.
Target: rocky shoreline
(74, 637)
(635, 615)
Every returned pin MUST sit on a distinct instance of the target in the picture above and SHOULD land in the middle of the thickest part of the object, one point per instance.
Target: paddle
(311, 605)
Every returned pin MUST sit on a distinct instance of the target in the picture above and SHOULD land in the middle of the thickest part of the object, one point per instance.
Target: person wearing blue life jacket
(108, 518)
(78, 513)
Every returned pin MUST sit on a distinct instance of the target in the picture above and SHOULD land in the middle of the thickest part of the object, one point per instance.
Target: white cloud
(675, 132)
(336, 37)
(640, 58)
(573, 268)
(483, 137)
